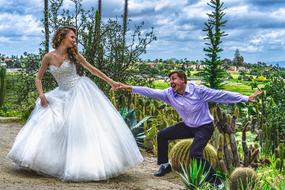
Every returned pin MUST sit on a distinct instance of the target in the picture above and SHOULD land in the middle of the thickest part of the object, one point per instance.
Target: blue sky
(255, 27)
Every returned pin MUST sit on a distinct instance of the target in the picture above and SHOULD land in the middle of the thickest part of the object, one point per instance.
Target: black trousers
(201, 137)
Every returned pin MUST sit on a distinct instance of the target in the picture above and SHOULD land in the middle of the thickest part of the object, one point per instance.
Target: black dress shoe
(162, 170)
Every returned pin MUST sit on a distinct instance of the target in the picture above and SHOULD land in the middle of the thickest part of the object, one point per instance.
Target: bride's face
(70, 39)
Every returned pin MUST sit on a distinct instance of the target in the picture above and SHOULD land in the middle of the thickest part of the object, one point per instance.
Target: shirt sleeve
(220, 96)
(152, 93)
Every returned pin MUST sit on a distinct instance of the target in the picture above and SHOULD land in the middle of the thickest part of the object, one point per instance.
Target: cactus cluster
(250, 154)
(162, 115)
(2, 85)
(227, 149)
(280, 155)
(243, 178)
(180, 154)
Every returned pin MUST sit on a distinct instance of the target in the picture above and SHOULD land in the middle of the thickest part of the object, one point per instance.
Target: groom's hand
(115, 85)
(252, 98)
(124, 86)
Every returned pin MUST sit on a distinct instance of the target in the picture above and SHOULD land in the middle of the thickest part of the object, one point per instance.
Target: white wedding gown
(79, 136)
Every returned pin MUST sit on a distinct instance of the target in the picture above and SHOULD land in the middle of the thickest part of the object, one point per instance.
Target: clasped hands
(119, 86)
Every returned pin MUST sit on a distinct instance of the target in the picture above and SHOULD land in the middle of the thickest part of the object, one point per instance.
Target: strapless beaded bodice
(65, 75)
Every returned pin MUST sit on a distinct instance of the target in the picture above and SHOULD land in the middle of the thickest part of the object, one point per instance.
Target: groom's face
(177, 83)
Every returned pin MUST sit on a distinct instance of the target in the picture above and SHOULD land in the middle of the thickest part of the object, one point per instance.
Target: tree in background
(98, 47)
(227, 63)
(238, 59)
(213, 73)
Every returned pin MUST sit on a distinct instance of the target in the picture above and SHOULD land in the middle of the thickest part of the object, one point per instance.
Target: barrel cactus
(180, 154)
(243, 178)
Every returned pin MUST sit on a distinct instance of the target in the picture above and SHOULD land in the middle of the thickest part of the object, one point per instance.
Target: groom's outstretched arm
(145, 91)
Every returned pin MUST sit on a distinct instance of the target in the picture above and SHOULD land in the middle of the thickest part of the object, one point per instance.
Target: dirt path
(139, 178)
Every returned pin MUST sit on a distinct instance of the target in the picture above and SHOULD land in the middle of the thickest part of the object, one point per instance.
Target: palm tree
(100, 8)
(125, 20)
(125, 23)
(46, 26)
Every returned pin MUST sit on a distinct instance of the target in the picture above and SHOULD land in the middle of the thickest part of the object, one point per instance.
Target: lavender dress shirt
(193, 105)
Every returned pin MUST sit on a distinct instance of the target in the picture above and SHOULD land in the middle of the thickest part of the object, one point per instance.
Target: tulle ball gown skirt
(79, 136)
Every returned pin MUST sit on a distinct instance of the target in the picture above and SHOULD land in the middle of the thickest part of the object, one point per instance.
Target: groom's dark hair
(181, 74)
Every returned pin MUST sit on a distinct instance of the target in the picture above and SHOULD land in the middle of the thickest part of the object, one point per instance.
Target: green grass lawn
(160, 84)
(234, 74)
(240, 88)
(244, 89)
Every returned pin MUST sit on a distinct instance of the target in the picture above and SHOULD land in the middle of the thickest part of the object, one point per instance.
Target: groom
(191, 103)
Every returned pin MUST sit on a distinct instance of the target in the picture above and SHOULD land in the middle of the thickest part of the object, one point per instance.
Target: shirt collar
(187, 91)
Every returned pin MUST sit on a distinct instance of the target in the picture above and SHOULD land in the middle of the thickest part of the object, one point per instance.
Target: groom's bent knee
(162, 135)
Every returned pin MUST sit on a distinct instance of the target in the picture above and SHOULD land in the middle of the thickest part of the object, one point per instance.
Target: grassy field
(233, 86)
(239, 87)
(234, 74)
(160, 84)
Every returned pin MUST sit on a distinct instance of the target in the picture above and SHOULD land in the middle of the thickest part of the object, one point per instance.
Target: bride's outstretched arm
(38, 80)
(96, 71)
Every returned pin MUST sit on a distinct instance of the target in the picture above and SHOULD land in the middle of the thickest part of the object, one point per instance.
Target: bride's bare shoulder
(50, 54)
(47, 58)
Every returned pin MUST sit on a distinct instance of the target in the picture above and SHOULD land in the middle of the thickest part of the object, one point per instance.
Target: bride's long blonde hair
(59, 35)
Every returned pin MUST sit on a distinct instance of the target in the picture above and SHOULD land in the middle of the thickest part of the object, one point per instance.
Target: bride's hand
(115, 85)
(44, 101)
(124, 87)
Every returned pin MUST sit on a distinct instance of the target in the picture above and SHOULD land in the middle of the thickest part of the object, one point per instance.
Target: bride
(74, 132)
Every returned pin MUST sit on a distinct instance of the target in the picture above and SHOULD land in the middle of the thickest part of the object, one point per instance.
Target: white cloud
(243, 47)
(249, 48)
(246, 12)
(169, 4)
(5, 3)
(162, 21)
(236, 33)
(68, 5)
(259, 41)
(197, 10)
(4, 39)
(157, 5)
(239, 11)
(279, 14)
(139, 6)
(20, 24)
(265, 36)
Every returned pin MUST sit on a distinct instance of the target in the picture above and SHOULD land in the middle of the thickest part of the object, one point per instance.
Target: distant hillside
(280, 63)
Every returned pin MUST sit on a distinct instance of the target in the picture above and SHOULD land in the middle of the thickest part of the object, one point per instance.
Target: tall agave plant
(194, 176)
(136, 127)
